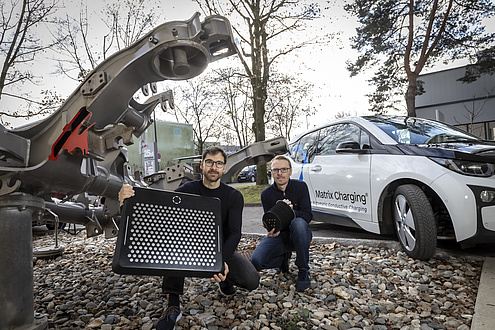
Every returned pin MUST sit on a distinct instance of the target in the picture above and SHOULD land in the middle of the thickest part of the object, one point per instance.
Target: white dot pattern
(171, 236)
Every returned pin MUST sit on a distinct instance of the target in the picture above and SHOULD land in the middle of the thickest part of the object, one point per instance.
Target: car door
(340, 182)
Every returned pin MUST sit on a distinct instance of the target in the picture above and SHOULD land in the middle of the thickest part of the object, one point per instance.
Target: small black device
(279, 217)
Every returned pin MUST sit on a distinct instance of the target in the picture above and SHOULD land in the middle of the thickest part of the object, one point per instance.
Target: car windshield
(412, 130)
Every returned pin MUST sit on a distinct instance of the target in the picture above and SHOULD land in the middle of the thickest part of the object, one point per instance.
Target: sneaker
(171, 315)
(284, 268)
(303, 280)
(226, 290)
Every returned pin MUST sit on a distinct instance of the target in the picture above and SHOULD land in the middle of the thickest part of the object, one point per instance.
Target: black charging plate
(169, 233)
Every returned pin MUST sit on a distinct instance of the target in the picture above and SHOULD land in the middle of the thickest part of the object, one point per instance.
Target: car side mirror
(349, 147)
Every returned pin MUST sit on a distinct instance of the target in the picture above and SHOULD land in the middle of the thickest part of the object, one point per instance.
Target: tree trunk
(259, 80)
(411, 96)
(259, 94)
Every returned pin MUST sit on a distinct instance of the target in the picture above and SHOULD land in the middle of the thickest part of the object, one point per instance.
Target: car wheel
(414, 222)
(253, 179)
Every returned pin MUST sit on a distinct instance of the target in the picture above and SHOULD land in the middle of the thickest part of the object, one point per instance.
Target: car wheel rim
(404, 223)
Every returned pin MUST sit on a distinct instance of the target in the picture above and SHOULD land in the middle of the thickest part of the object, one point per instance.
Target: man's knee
(256, 263)
(299, 224)
(253, 283)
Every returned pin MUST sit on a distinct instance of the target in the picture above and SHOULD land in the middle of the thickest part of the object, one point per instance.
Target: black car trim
(444, 152)
(414, 150)
(482, 234)
(334, 218)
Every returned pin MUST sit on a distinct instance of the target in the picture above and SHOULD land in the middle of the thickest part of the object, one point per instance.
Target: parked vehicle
(422, 179)
(248, 173)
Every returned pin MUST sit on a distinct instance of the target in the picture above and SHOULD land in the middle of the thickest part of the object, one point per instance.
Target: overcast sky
(324, 66)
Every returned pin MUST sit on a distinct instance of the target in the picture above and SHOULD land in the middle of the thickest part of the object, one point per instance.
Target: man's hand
(272, 233)
(221, 277)
(288, 203)
(125, 192)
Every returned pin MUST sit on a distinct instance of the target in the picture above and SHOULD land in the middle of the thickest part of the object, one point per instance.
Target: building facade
(173, 140)
(470, 106)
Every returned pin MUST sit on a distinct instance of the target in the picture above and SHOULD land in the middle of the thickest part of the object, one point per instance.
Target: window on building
(478, 129)
(491, 130)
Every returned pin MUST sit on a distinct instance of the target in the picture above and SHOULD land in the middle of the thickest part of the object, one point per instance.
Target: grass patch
(251, 193)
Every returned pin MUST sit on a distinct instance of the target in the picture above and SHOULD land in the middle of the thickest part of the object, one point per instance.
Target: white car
(423, 179)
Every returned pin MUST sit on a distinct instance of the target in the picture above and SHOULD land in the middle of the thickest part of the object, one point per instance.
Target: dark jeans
(271, 250)
(241, 273)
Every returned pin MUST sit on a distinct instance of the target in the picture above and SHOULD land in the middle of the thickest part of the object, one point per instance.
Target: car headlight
(466, 167)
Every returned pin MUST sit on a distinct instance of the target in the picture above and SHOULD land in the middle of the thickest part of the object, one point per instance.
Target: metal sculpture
(79, 148)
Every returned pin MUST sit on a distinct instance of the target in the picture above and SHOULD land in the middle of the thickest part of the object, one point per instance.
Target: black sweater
(296, 191)
(232, 204)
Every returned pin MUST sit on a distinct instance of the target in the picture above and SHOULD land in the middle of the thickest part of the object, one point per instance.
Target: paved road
(252, 216)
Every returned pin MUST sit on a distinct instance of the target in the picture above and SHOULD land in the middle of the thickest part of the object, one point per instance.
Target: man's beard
(209, 175)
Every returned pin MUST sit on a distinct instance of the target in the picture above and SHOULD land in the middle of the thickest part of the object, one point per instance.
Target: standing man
(238, 270)
(274, 251)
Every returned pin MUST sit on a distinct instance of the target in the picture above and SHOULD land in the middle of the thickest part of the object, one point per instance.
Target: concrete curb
(253, 205)
(484, 310)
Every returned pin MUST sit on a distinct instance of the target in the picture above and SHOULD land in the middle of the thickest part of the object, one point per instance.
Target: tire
(253, 179)
(414, 222)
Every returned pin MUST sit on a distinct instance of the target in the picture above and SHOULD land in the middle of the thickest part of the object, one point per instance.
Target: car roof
(359, 120)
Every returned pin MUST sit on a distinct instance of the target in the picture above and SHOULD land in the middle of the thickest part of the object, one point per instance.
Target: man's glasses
(209, 163)
(281, 170)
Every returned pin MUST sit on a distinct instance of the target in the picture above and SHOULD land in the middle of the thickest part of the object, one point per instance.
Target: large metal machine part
(171, 178)
(77, 212)
(255, 154)
(79, 147)
(69, 151)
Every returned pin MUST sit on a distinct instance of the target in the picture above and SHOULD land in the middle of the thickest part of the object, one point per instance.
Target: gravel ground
(354, 287)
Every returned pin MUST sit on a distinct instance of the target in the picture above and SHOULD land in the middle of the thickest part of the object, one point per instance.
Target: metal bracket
(113, 138)
(5, 184)
(111, 229)
(93, 227)
(14, 150)
(94, 83)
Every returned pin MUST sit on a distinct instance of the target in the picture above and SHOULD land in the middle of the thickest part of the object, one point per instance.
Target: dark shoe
(284, 268)
(226, 290)
(171, 315)
(303, 280)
